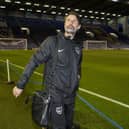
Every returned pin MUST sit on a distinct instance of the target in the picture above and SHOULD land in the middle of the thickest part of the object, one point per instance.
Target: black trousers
(61, 115)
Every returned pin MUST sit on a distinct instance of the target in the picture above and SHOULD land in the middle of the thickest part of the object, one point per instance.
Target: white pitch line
(18, 66)
(21, 67)
(105, 98)
(2, 61)
(84, 90)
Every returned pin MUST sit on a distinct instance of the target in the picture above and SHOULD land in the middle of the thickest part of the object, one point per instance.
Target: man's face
(71, 24)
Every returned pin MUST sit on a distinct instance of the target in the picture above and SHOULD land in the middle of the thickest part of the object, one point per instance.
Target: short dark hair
(75, 14)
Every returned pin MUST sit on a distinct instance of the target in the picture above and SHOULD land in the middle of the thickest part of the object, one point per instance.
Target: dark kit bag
(40, 108)
(41, 100)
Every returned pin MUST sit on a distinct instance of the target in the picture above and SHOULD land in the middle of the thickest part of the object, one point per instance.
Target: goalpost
(8, 65)
(13, 43)
(9, 81)
(95, 44)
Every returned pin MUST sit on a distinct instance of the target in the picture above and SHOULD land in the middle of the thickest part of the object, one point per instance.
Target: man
(63, 80)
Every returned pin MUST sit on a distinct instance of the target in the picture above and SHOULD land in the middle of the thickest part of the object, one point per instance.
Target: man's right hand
(17, 91)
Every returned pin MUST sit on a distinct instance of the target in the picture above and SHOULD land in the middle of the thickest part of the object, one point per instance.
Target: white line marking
(23, 68)
(18, 66)
(84, 90)
(2, 61)
(103, 97)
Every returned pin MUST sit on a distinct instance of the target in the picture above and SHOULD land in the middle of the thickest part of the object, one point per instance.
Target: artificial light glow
(90, 11)
(115, 0)
(36, 4)
(58, 30)
(8, 1)
(53, 6)
(114, 14)
(92, 17)
(46, 5)
(38, 11)
(108, 14)
(83, 10)
(76, 10)
(17, 2)
(28, 3)
(59, 13)
(102, 13)
(44, 11)
(53, 12)
(108, 19)
(68, 8)
(96, 12)
(102, 18)
(2, 7)
(26, 29)
(29, 10)
(21, 9)
(62, 7)
(97, 17)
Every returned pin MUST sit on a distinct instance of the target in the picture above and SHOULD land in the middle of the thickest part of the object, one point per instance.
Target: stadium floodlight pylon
(8, 73)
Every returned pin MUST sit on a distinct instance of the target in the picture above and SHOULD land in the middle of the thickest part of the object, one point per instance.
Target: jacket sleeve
(41, 56)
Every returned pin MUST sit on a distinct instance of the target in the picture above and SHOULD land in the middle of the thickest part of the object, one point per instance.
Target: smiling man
(62, 57)
(72, 25)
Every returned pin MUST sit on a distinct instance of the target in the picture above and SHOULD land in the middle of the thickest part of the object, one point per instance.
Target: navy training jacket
(66, 74)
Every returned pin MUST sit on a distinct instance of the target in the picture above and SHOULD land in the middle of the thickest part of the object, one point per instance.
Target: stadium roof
(94, 9)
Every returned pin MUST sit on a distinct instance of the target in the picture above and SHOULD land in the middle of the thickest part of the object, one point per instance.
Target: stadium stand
(4, 30)
(114, 38)
(41, 28)
(121, 37)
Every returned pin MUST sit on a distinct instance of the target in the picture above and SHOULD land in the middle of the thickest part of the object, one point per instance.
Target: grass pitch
(103, 72)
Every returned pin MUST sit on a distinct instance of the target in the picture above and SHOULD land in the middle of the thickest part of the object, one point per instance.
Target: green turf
(103, 72)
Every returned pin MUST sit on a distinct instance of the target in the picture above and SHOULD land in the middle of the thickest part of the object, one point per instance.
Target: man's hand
(17, 91)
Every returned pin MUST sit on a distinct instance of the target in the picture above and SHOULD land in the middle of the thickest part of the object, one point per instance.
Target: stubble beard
(70, 32)
(70, 29)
